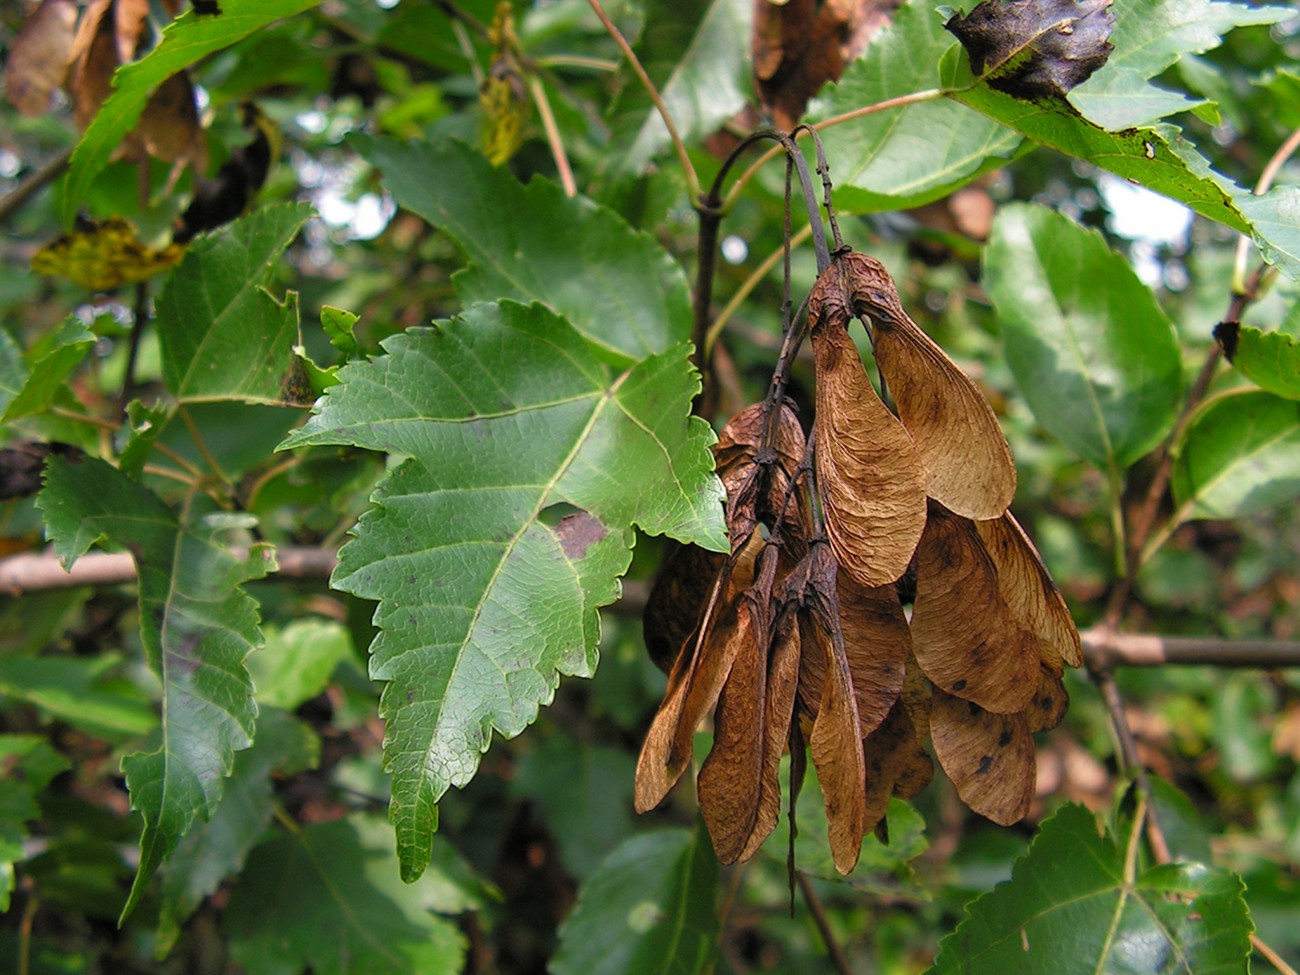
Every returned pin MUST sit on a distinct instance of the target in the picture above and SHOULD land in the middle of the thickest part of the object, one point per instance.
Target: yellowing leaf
(104, 256)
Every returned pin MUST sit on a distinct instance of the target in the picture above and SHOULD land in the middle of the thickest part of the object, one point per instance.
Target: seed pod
(963, 634)
(869, 475)
(757, 484)
(1030, 594)
(956, 434)
(989, 757)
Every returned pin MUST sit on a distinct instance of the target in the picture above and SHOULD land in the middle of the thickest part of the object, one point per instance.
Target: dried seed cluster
(801, 633)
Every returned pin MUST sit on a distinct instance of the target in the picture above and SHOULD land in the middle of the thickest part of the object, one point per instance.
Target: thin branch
(1103, 649)
(692, 179)
(1271, 956)
(34, 183)
(838, 958)
(553, 137)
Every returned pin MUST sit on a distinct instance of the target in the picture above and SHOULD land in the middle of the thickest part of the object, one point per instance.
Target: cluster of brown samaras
(801, 634)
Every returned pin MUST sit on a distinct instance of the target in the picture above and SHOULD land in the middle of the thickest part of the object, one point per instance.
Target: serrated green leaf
(1070, 909)
(70, 689)
(27, 764)
(187, 39)
(584, 794)
(1099, 366)
(532, 243)
(345, 912)
(1240, 455)
(296, 663)
(649, 909)
(698, 57)
(338, 325)
(196, 625)
(1271, 360)
(223, 335)
(144, 425)
(217, 849)
(52, 359)
(1149, 36)
(491, 547)
(1275, 217)
(906, 156)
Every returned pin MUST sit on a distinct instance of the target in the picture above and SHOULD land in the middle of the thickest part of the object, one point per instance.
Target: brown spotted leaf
(1029, 592)
(103, 256)
(38, 61)
(989, 757)
(1036, 48)
(963, 634)
(869, 474)
(961, 445)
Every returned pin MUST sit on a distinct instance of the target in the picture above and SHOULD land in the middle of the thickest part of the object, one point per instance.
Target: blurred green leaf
(1276, 220)
(1092, 352)
(197, 626)
(906, 156)
(52, 361)
(296, 662)
(72, 689)
(1242, 729)
(1269, 359)
(492, 546)
(186, 40)
(346, 912)
(649, 909)
(1240, 455)
(1071, 909)
(531, 243)
(223, 335)
(27, 763)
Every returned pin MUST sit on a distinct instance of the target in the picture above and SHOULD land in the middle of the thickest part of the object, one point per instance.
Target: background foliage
(199, 746)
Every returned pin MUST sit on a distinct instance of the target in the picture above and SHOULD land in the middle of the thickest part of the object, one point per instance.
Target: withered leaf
(103, 256)
(38, 61)
(869, 474)
(877, 645)
(799, 45)
(989, 757)
(896, 762)
(963, 634)
(1030, 594)
(961, 445)
(1036, 48)
(169, 127)
(94, 59)
(696, 680)
(676, 600)
(756, 482)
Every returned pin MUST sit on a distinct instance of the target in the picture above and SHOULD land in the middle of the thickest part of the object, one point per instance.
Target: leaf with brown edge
(696, 681)
(680, 592)
(989, 757)
(1050, 703)
(877, 645)
(869, 475)
(956, 434)
(729, 782)
(963, 634)
(1030, 594)
(39, 58)
(1036, 48)
(896, 764)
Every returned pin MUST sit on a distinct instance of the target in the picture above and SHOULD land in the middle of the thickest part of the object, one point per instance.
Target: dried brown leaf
(989, 757)
(869, 475)
(696, 681)
(169, 127)
(94, 57)
(1029, 592)
(38, 61)
(757, 484)
(130, 17)
(897, 763)
(956, 434)
(963, 634)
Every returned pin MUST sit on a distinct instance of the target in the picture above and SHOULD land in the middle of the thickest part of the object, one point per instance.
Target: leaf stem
(553, 138)
(140, 314)
(837, 956)
(692, 178)
(201, 446)
(1271, 956)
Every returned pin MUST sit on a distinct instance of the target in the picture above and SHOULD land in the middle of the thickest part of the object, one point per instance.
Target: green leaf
(187, 39)
(532, 243)
(296, 663)
(339, 325)
(196, 625)
(144, 425)
(13, 369)
(649, 909)
(217, 849)
(584, 794)
(1092, 352)
(906, 156)
(1275, 217)
(1240, 455)
(52, 360)
(1149, 36)
(327, 899)
(1269, 359)
(222, 334)
(27, 764)
(491, 547)
(698, 57)
(71, 689)
(1071, 909)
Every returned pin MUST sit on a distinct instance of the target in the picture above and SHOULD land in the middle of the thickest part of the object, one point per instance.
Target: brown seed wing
(989, 757)
(1029, 592)
(896, 763)
(677, 599)
(868, 471)
(957, 436)
(963, 634)
(38, 61)
(1050, 703)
